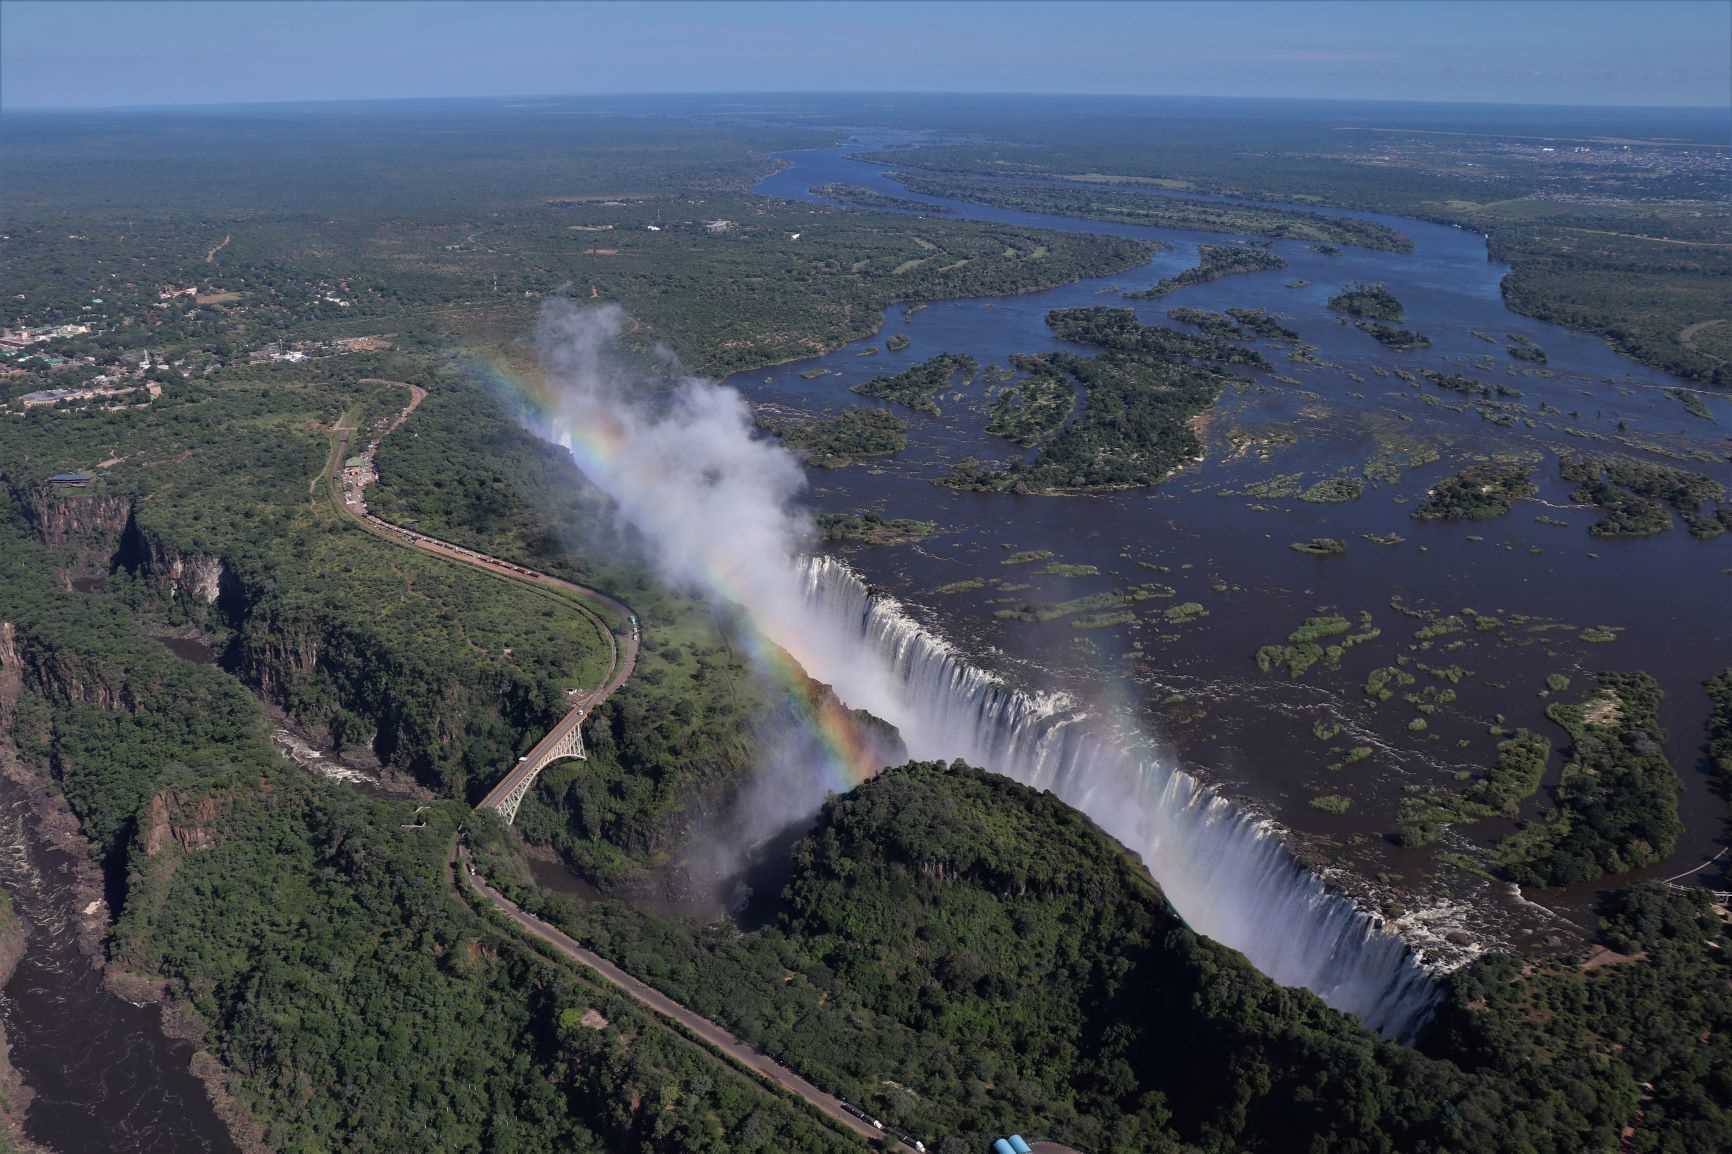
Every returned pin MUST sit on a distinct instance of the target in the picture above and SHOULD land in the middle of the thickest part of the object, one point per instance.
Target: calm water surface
(1195, 687)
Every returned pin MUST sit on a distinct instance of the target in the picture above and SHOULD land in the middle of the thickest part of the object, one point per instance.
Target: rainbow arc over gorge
(600, 450)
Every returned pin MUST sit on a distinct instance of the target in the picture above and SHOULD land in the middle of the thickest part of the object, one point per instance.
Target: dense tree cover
(1120, 331)
(920, 386)
(1617, 798)
(816, 277)
(1031, 409)
(1126, 204)
(1367, 302)
(966, 956)
(873, 528)
(1477, 493)
(1720, 728)
(1636, 497)
(837, 440)
(1639, 275)
(444, 673)
(1134, 428)
(1134, 425)
(1501, 792)
(1631, 1056)
(858, 196)
(1215, 261)
(356, 1003)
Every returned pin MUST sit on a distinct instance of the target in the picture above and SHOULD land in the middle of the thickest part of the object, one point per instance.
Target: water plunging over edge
(1226, 872)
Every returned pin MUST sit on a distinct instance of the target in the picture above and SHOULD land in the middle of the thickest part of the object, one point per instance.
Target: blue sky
(140, 53)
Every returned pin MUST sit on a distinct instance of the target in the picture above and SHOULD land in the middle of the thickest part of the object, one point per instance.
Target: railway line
(347, 484)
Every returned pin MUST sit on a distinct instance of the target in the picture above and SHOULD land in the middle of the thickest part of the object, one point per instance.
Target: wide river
(1194, 686)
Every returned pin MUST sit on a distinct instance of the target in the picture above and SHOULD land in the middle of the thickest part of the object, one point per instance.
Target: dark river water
(1195, 686)
(105, 1077)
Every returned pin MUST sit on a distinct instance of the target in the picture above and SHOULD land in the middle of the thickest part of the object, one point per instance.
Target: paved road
(656, 1002)
(623, 648)
(624, 655)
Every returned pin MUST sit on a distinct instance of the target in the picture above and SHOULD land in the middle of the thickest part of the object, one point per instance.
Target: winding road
(347, 491)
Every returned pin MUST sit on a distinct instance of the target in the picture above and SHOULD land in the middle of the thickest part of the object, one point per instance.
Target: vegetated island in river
(1235, 324)
(1215, 261)
(859, 196)
(1477, 493)
(873, 528)
(1135, 426)
(1374, 310)
(836, 440)
(918, 387)
(1154, 210)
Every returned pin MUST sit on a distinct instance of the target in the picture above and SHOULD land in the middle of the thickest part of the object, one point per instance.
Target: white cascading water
(1226, 873)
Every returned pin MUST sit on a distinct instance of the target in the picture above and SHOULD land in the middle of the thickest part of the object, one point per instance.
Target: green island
(1031, 409)
(1104, 203)
(1516, 777)
(1373, 307)
(1636, 498)
(1214, 261)
(1372, 302)
(1616, 802)
(837, 440)
(1323, 639)
(1692, 402)
(872, 528)
(1479, 492)
(1524, 348)
(1395, 338)
(918, 387)
(1092, 603)
(1260, 323)
(1321, 546)
(859, 196)
(1217, 325)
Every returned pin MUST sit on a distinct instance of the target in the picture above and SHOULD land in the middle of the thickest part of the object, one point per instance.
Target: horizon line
(13, 110)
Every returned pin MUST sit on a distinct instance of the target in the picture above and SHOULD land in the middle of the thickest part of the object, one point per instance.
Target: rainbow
(600, 447)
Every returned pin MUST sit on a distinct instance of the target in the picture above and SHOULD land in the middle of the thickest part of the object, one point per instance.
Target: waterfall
(1228, 874)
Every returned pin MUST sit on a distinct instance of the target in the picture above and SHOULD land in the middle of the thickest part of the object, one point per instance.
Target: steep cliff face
(11, 674)
(67, 676)
(440, 722)
(172, 818)
(196, 579)
(90, 523)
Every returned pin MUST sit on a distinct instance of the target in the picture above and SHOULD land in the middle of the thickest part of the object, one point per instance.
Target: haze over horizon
(122, 55)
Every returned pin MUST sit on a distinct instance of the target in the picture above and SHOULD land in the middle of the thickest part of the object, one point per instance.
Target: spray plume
(714, 505)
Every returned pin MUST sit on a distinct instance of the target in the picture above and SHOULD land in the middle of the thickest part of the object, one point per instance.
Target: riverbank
(94, 1057)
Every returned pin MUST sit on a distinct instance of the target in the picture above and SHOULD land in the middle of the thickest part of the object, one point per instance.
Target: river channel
(1192, 686)
(103, 1075)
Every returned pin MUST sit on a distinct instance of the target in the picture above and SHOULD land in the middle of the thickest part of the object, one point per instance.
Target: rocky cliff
(173, 818)
(86, 521)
